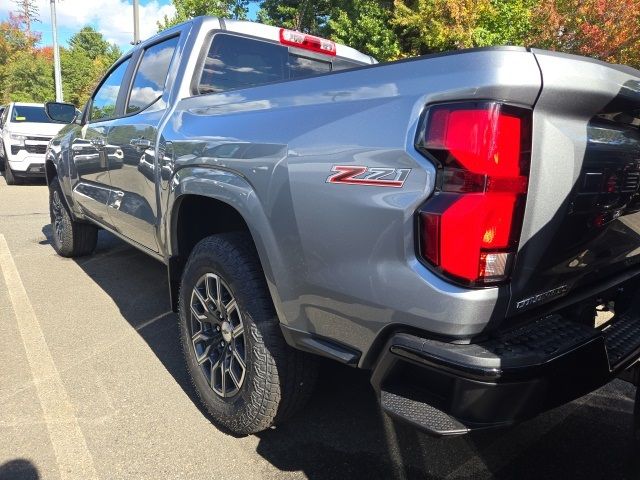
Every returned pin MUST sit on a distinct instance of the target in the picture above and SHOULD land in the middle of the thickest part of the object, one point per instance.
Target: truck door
(133, 177)
(90, 151)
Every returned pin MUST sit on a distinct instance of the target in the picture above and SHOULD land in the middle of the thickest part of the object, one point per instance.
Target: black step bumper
(449, 389)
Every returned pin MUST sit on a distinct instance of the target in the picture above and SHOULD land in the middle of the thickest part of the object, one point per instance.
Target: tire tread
(283, 378)
(79, 239)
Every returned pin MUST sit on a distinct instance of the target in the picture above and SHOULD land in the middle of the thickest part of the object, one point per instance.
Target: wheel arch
(50, 170)
(196, 213)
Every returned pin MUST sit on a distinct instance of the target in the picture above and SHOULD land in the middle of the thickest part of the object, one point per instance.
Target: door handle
(140, 143)
(98, 142)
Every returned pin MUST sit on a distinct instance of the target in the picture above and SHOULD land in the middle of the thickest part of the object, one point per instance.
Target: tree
(15, 42)
(364, 25)
(605, 29)
(28, 78)
(426, 26)
(29, 11)
(307, 16)
(84, 63)
(187, 9)
(93, 44)
(14, 37)
(507, 22)
(79, 75)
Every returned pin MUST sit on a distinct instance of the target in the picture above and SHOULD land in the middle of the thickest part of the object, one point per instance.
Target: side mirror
(60, 112)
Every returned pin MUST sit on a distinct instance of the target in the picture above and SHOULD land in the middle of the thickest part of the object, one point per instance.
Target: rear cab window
(233, 62)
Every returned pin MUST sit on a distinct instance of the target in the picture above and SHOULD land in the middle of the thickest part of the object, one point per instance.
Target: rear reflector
(469, 229)
(307, 42)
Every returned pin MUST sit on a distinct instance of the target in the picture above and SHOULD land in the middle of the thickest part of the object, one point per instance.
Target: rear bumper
(449, 389)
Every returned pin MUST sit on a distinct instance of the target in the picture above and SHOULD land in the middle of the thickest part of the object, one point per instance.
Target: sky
(112, 18)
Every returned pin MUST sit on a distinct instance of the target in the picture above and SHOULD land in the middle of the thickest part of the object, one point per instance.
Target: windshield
(22, 114)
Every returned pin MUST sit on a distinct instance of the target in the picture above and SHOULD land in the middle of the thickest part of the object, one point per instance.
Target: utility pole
(56, 53)
(136, 22)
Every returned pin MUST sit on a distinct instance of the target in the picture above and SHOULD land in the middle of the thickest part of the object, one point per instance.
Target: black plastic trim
(504, 380)
(322, 346)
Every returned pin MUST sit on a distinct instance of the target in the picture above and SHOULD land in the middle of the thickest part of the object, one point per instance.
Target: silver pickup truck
(465, 226)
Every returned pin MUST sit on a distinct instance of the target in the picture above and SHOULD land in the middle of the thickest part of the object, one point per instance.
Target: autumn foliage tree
(426, 26)
(26, 70)
(24, 75)
(386, 29)
(605, 29)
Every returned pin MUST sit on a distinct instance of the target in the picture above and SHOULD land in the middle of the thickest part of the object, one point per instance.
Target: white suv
(26, 131)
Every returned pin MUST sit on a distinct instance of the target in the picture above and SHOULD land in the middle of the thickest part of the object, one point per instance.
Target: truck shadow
(341, 432)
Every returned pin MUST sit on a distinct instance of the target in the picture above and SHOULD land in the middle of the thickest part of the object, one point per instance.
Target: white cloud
(112, 18)
(145, 95)
(108, 94)
(154, 66)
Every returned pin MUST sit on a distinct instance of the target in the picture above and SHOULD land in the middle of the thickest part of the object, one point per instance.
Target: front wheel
(9, 176)
(245, 374)
(69, 237)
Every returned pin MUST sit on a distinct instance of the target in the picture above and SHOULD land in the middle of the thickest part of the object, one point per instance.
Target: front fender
(234, 190)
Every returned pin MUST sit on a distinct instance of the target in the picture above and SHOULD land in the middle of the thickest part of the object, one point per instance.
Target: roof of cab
(27, 104)
(256, 29)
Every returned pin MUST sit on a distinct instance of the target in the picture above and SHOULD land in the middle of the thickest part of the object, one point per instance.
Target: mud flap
(175, 268)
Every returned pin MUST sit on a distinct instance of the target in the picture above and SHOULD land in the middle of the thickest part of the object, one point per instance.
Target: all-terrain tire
(69, 238)
(9, 177)
(278, 379)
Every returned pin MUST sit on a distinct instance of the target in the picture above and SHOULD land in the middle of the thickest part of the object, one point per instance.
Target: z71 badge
(375, 177)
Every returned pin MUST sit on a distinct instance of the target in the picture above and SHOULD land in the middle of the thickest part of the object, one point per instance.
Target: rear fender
(232, 189)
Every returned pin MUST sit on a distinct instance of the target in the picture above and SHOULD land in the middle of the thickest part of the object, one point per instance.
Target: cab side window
(150, 79)
(103, 104)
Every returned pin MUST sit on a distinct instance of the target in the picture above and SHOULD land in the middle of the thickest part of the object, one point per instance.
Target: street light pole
(136, 22)
(56, 53)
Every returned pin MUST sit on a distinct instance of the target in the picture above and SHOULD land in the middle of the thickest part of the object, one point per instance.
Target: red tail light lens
(469, 229)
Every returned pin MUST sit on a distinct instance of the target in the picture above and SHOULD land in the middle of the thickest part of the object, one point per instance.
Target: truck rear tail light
(307, 42)
(469, 229)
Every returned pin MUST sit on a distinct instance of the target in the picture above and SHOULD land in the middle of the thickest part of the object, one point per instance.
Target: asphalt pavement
(92, 385)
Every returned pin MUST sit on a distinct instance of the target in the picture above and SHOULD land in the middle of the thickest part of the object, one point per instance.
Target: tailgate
(581, 225)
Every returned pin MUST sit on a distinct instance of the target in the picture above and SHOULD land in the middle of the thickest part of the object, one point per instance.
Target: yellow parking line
(70, 447)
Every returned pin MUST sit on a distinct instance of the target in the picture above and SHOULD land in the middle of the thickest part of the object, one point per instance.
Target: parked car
(453, 223)
(25, 132)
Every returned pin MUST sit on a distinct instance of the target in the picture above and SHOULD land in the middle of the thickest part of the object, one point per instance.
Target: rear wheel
(69, 238)
(245, 374)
